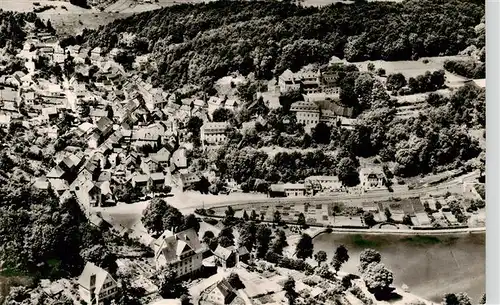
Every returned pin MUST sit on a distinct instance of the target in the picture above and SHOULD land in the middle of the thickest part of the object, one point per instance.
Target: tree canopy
(267, 38)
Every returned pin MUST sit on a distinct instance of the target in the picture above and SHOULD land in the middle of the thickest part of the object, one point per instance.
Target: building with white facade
(372, 178)
(96, 285)
(326, 182)
(213, 133)
(307, 113)
(182, 252)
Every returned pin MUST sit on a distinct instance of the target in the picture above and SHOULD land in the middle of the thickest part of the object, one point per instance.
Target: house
(97, 114)
(288, 82)
(96, 53)
(294, 189)
(59, 55)
(141, 181)
(179, 159)
(162, 157)
(104, 127)
(213, 133)
(149, 165)
(4, 121)
(8, 94)
(182, 252)
(423, 219)
(156, 180)
(220, 293)
(243, 254)
(96, 285)
(276, 190)
(326, 182)
(307, 113)
(225, 257)
(50, 113)
(188, 179)
(372, 178)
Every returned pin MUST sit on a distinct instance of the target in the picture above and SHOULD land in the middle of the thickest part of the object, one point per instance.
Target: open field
(71, 20)
(411, 68)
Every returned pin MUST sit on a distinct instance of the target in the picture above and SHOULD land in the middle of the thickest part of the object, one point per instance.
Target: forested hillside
(11, 26)
(199, 43)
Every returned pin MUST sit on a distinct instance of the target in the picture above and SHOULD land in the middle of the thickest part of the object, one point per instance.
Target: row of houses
(371, 178)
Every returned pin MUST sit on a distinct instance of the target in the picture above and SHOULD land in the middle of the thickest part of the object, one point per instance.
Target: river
(430, 265)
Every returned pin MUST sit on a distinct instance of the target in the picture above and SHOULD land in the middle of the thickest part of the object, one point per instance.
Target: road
(453, 186)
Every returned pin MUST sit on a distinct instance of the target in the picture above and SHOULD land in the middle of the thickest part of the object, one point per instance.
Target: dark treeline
(202, 42)
(469, 69)
(11, 27)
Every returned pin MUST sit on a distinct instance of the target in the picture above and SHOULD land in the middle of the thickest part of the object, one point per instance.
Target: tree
(305, 247)
(190, 221)
(101, 256)
(263, 238)
(395, 81)
(193, 126)
(277, 217)
(320, 257)
(226, 237)
(152, 216)
(341, 256)
(321, 133)
(80, 3)
(279, 242)
(301, 221)
(168, 286)
(407, 220)
(347, 172)
(235, 281)
(367, 257)
(84, 110)
(369, 219)
(378, 280)
(248, 232)
(457, 299)
(388, 214)
(222, 115)
(245, 215)
(202, 185)
(229, 215)
(253, 215)
(160, 216)
(109, 111)
(289, 288)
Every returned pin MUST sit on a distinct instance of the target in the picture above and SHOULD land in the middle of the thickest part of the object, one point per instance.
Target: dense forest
(11, 27)
(198, 43)
(41, 237)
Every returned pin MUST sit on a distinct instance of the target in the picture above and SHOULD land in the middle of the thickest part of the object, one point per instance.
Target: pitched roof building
(96, 285)
(181, 251)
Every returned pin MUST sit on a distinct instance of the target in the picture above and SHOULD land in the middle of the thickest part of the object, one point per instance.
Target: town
(132, 193)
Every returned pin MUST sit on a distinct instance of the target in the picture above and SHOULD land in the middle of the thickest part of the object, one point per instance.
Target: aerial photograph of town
(244, 152)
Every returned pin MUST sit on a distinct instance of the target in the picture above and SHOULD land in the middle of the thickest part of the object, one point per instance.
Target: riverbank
(404, 231)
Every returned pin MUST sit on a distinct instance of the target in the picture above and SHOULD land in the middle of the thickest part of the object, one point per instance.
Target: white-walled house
(181, 251)
(96, 285)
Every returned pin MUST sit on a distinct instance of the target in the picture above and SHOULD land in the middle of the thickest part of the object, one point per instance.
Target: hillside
(12, 27)
(199, 43)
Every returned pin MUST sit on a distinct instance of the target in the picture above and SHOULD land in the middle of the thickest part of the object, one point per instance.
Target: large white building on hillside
(213, 133)
(180, 251)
